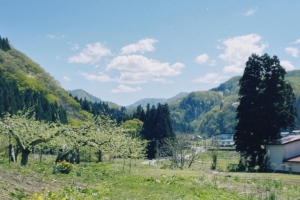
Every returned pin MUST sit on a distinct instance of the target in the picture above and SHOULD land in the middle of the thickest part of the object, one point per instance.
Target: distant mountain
(155, 101)
(82, 94)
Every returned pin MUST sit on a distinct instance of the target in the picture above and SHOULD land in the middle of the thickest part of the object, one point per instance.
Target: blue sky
(124, 51)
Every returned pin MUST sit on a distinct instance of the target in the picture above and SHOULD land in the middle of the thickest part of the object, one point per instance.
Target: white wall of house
(295, 167)
(275, 157)
(278, 153)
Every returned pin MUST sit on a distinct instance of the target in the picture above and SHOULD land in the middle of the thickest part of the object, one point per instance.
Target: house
(284, 154)
(224, 139)
(296, 132)
(198, 137)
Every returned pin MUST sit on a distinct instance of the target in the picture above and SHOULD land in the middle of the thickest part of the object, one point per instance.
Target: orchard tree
(133, 127)
(266, 105)
(26, 133)
(137, 149)
(95, 133)
(179, 150)
(103, 135)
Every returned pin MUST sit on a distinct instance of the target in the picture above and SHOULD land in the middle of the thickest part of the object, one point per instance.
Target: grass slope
(108, 180)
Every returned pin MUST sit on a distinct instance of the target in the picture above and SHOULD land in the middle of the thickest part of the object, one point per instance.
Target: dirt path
(13, 184)
(197, 151)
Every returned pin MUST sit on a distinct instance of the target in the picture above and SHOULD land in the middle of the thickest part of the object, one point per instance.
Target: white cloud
(135, 69)
(204, 58)
(50, 36)
(218, 46)
(91, 54)
(250, 12)
(92, 77)
(66, 78)
(210, 78)
(201, 59)
(287, 65)
(297, 41)
(292, 51)
(212, 63)
(75, 47)
(142, 46)
(239, 49)
(55, 37)
(162, 80)
(233, 69)
(124, 88)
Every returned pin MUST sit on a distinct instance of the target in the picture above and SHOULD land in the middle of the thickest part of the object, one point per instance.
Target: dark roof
(294, 159)
(285, 140)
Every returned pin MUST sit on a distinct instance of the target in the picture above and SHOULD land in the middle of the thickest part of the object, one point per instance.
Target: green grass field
(112, 180)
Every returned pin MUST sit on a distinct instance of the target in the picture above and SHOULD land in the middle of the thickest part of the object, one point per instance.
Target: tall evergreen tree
(157, 126)
(4, 44)
(139, 114)
(265, 106)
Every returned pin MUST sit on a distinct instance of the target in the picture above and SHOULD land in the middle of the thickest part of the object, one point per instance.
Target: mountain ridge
(82, 94)
(155, 101)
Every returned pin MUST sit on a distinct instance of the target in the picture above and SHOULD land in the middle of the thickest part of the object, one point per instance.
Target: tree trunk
(123, 164)
(99, 155)
(11, 154)
(130, 164)
(41, 155)
(181, 159)
(25, 155)
(78, 156)
(192, 160)
(17, 151)
(59, 156)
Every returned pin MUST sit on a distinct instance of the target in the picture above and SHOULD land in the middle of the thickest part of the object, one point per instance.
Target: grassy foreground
(108, 180)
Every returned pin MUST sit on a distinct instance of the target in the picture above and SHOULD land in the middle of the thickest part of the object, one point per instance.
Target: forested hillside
(186, 113)
(13, 100)
(28, 80)
(214, 111)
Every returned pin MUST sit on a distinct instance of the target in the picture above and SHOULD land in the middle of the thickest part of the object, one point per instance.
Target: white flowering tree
(105, 136)
(26, 133)
(100, 133)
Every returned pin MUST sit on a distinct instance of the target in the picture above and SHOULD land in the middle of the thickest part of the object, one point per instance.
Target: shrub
(63, 167)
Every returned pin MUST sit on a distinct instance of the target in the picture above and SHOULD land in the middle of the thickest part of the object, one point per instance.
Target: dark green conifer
(265, 106)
